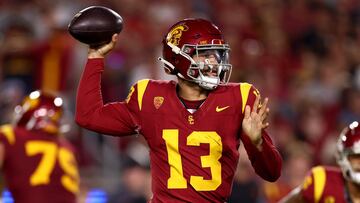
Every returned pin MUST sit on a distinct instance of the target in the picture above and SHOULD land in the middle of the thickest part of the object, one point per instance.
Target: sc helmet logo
(175, 34)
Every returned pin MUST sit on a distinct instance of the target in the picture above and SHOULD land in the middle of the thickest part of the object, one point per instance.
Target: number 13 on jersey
(177, 179)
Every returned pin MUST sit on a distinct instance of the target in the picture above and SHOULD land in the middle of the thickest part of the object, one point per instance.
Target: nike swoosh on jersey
(219, 109)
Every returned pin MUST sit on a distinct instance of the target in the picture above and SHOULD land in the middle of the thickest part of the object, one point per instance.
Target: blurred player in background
(194, 126)
(38, 163)
(333, 185)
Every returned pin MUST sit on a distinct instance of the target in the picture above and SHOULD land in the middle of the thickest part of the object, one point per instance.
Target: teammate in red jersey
(194, 126)
(331, 184)
(37, 162)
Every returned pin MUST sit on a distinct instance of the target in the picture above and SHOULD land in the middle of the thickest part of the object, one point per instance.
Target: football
(95, 25)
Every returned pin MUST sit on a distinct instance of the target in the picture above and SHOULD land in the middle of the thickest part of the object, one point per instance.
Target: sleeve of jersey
(266, 162)
(91, 113)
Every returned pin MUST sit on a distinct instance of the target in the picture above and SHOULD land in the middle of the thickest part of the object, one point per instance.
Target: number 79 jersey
(193, 155)
(38, 167)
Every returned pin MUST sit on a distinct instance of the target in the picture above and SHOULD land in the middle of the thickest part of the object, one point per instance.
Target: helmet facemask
(198, 72)
(214, 69)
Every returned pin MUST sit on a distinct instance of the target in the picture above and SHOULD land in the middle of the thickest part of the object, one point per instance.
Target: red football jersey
(324, 185)
(39, 167)
(193, 155)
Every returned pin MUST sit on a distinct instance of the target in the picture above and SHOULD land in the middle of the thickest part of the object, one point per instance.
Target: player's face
(211, 59)
(354, 160)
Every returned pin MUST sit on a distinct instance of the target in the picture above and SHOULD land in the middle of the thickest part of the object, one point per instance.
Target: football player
(37, 162)
(331, 184)
(193, 126)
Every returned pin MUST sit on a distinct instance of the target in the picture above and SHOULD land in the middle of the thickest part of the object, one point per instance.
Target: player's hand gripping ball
(95, 25)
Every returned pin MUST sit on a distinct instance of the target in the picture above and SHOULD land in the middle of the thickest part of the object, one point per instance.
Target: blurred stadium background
(302, 54)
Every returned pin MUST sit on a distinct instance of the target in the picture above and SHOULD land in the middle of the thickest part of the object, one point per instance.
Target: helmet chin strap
(356, 177)
(170, 67)
(208, 83)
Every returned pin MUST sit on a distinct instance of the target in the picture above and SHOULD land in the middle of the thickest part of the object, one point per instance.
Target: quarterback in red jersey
(331, 184)
(194, 126)
(38, 164)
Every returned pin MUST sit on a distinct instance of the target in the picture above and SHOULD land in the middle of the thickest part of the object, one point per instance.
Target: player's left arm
(263, 155)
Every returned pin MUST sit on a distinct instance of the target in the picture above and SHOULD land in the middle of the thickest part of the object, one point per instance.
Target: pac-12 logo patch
(158, 101)
(173, 37)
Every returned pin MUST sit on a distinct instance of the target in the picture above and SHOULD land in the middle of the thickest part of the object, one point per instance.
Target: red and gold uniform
(38, 167)
(193, 155)
(324, 185)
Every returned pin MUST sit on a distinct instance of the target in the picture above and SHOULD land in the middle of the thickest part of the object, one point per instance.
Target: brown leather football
(95, 25)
